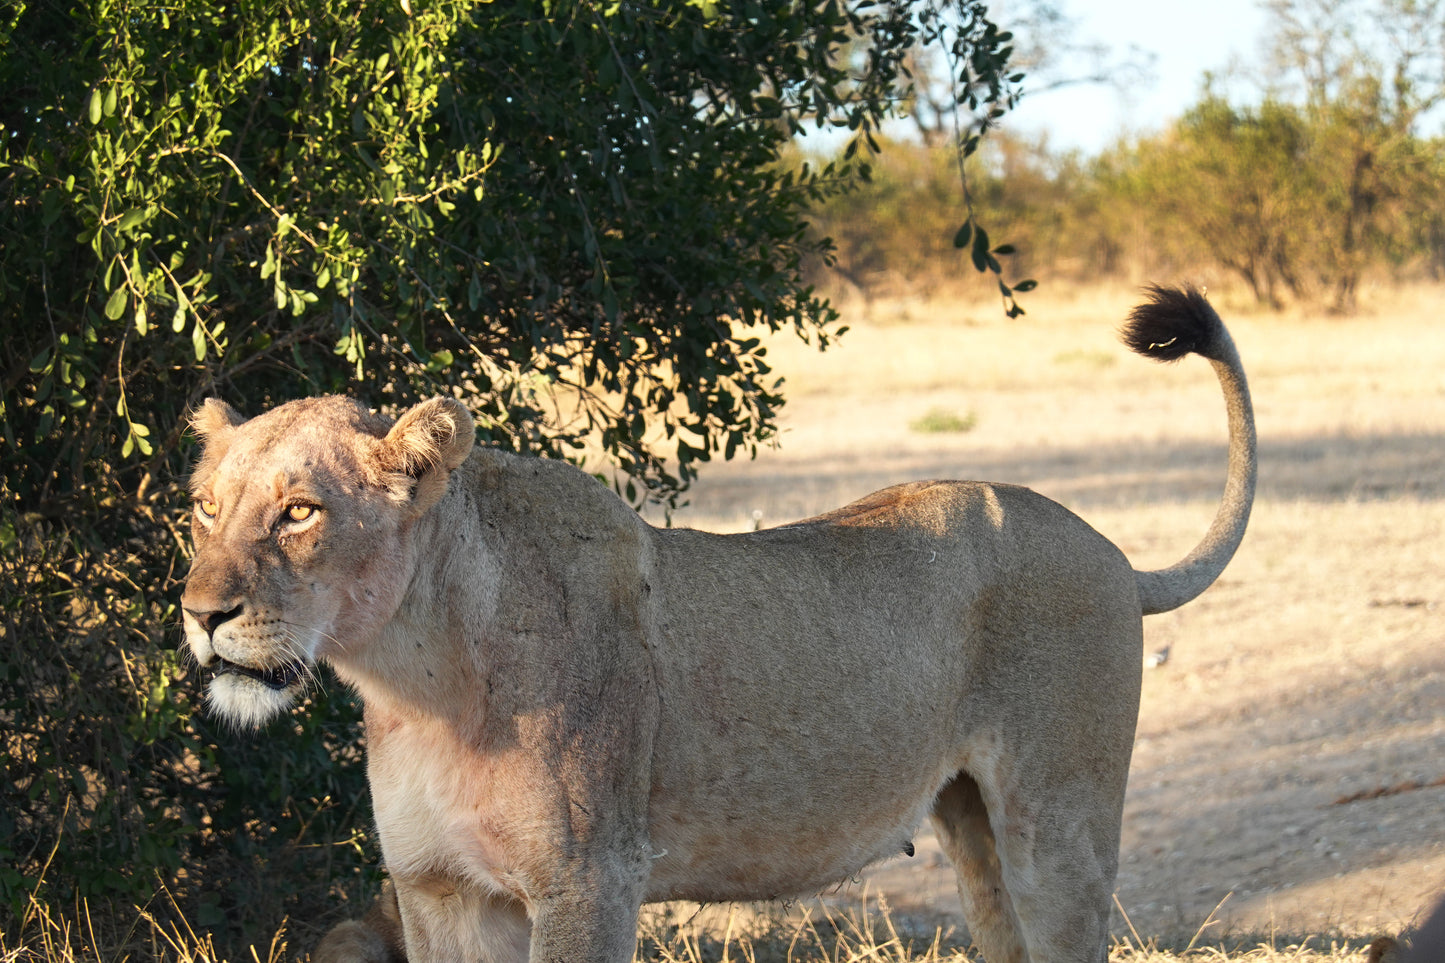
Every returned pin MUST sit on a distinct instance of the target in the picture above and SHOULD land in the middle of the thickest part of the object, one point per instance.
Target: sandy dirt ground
(1288, 743)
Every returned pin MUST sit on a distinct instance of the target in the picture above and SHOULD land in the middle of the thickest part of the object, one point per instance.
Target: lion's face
(300, 522)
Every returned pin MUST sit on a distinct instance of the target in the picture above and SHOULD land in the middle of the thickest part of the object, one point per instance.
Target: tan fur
(570, 713)
(376, 938)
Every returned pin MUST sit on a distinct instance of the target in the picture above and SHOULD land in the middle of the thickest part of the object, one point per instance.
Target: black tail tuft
(1172, 323)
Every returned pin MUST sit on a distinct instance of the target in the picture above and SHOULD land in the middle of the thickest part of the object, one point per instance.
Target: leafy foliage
(567, 214)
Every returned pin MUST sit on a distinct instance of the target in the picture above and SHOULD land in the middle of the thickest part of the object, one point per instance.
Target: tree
(1367, 73)
(1329, 176)
(567, 214)
(1227, 184)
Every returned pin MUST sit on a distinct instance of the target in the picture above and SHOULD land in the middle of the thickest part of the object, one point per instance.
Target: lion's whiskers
(293, 646)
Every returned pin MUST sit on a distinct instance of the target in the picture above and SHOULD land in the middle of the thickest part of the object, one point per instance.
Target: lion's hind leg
(961, 819)
(1035, 877)
(1058, 860)
(1052, 808)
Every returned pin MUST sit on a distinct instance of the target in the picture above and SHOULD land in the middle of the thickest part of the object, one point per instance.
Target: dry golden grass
(804, 933)
(51, 934)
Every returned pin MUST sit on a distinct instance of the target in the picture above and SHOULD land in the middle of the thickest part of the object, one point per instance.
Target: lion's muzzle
(258, 666)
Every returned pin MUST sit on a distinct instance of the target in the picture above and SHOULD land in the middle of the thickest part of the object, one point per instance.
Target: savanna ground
(1281, 782)
(1281, 786)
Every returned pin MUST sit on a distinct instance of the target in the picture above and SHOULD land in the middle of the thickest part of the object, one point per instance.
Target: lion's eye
(300, 513)
(207, 508)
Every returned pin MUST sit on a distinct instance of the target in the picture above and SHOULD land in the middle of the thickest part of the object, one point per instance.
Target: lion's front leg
(599, 926)
(446, 924)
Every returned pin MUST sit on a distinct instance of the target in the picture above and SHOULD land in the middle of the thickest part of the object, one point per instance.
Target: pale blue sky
(1186, 39)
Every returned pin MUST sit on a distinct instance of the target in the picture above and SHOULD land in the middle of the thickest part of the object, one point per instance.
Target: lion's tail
(1172, 323)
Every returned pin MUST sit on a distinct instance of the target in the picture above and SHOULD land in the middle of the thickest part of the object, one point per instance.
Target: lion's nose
(211, 619)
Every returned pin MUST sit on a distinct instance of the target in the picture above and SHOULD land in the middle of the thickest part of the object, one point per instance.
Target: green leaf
(960, 239)
(115, 304)
(96, 106)
(131, 218)
(980, 250)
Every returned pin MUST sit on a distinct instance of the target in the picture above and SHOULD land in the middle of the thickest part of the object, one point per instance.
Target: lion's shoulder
(541, 494)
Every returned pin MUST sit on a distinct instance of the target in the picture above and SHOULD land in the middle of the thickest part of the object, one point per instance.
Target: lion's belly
(716, 855)
(794, 792)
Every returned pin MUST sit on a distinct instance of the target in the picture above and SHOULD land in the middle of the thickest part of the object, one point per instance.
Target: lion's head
(301, 522)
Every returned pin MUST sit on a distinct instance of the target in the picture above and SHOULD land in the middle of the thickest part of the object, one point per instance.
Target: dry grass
(1048, 389)
(867, 929)
(50, 934)
(812, 932)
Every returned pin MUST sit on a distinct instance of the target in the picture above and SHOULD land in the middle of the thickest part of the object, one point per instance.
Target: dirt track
(1288, 745)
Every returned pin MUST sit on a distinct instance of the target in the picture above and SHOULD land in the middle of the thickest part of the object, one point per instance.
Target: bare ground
(1289, 746)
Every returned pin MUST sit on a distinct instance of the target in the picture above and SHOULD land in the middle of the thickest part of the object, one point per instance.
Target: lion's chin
(250, 699)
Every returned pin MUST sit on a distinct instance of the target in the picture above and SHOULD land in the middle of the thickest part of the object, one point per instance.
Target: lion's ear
(214, 422)
(426, 445)
(214, 419)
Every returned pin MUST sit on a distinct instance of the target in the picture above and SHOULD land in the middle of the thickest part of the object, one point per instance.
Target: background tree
(1229, 183)
(1366, 72)
(567, 214)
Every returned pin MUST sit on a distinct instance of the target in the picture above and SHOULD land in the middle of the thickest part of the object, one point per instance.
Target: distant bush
(894, 233)
(940, 421)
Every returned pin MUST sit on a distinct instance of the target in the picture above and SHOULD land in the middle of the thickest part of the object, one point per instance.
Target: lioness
(570, 713)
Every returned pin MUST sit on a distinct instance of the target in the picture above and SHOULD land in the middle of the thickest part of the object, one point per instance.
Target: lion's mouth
(276, 677)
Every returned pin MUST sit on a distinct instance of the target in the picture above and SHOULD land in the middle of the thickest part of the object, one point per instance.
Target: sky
(1185, 38)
